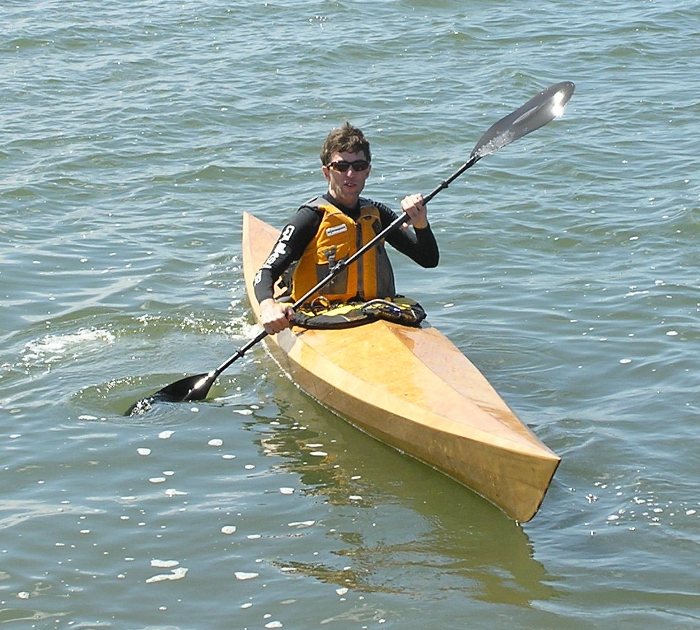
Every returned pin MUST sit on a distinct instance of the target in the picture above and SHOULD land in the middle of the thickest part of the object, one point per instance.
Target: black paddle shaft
(538, 111)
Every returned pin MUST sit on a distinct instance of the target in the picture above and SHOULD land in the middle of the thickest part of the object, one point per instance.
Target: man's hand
(275, 316)
(416, 210)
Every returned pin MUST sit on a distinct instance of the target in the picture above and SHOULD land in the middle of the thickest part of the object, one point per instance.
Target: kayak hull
(414, 390)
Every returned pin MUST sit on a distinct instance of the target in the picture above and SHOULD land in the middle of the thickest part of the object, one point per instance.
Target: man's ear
(326, 171)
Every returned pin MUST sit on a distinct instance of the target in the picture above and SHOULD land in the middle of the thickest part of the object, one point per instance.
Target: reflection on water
(439, 530)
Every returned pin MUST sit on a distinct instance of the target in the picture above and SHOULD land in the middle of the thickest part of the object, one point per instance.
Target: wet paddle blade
(189, 388)
(537, 112)
(192, 387)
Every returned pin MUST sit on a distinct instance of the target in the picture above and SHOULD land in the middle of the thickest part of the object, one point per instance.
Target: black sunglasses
(342, 165)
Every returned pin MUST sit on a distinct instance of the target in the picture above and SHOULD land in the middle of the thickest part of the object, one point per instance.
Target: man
(331, 228)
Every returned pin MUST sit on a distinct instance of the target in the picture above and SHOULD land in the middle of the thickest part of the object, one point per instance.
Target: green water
(134, 135)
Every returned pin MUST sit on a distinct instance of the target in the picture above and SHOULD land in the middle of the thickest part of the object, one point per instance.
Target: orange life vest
(337, 238)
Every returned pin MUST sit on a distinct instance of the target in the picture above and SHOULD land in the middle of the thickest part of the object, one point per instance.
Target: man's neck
(349, 210)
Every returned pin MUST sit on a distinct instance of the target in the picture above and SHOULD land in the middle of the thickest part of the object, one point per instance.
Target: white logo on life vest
(338, 229)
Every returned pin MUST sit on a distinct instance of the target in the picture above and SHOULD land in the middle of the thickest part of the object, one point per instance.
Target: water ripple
(133, 140)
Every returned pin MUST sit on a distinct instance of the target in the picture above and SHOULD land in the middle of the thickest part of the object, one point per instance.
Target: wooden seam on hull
(508, 488)
(502, 427)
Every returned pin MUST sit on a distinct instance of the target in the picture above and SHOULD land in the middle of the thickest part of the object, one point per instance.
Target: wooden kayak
(413, 389)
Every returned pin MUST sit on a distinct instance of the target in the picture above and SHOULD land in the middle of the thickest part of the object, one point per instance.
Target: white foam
(176, 574)
(52, 347)
(301, 524)
(164, 564)
(243, 575)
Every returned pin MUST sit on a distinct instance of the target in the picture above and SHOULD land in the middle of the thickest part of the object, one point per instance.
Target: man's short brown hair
(344, 139)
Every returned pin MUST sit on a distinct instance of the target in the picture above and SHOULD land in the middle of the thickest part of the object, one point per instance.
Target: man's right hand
(275, 316)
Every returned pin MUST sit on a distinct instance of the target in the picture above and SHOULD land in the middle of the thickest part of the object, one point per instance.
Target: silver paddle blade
(538, 111)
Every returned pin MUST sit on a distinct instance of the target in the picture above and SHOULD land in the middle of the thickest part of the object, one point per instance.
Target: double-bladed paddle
(538, 111)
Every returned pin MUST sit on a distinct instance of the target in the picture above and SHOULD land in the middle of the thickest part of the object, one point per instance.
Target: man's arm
(290, 245)
(418, 244)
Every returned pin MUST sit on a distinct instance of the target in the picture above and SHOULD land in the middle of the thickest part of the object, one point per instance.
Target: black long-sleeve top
(418, 244)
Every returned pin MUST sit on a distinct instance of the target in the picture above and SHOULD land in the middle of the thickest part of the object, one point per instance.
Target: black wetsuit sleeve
(292, 242)
(419, 245)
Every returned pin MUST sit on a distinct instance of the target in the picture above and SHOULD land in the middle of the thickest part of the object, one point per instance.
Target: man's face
(346, 186)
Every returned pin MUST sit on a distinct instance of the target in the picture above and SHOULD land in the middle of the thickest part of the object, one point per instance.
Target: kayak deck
(414, 390)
